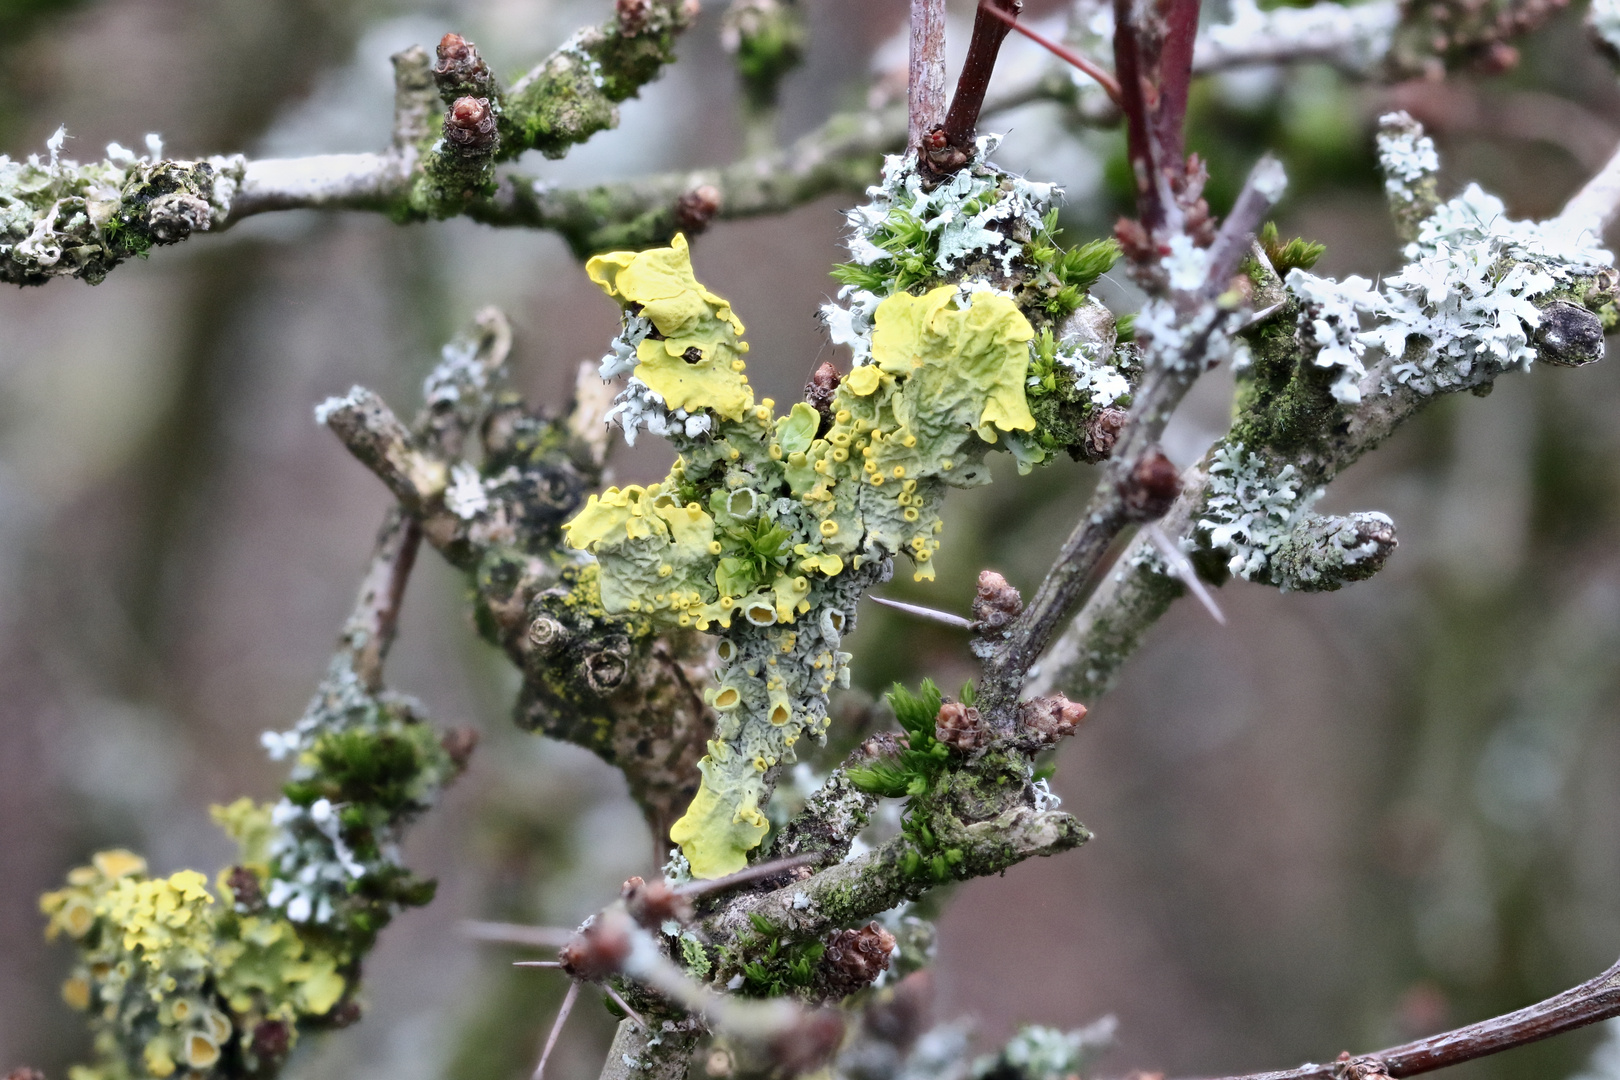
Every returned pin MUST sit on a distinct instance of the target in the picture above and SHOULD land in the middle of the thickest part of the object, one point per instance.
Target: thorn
(926, 613)
(517, 933)
(537, 963)
(743, 877)
(1103, 78)
(1182, 568)
(1258, 317)
(556, 1029)
(625, 1005)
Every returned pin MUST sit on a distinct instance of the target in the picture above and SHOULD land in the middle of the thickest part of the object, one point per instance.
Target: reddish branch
(1102, 76)
(1153, 48)
(947, 148)
(1594, 1000)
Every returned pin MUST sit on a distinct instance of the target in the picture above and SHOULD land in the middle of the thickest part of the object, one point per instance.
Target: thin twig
(537, 963)
(375, 620)
(1592, 1001)
(988, 34)
(1100, 74)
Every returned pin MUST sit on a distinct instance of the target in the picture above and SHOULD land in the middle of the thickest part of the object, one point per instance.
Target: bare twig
(968, 101)
(925, 86)
(1592, 1001)
(371, 627)
(1098, 73)
(1596, 205)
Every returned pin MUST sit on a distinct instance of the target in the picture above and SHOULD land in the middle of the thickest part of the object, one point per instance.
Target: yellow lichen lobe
(698, 363)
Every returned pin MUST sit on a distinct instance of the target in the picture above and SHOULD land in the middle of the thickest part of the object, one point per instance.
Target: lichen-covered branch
(1482, 295)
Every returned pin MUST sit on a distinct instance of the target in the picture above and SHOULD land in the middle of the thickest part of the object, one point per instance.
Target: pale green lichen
(767, 532)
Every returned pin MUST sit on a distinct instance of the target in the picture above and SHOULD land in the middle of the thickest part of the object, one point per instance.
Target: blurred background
(1339, 822)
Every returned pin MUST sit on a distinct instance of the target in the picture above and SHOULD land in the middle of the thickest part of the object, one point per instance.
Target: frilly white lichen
(1249, 511)
(61, 218)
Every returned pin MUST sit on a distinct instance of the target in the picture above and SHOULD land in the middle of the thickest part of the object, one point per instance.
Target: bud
(1102, 432)
(959, 727)
(460, 743)
(855, 958)
(597, 951)
(244, 886)
(632, 16)
(271, 1040)
(1043, 721)
(461, 71)
(996, 603)
(652, 904)
(470, 125)
(697, 207)
(1151, 488)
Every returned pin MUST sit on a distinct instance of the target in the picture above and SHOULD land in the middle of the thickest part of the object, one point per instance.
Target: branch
(1182, 336)
(1592, 1001)
(925, 84)
(375, 619)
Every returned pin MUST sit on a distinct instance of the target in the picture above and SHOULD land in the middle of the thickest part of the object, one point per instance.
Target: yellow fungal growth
(697, 365)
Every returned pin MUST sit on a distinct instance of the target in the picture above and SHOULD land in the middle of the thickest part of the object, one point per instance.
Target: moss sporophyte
(766, 532)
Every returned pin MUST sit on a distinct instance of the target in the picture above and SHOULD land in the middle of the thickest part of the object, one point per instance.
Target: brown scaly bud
(470, 125)
(855, 958)
(882, 745)
(697, 207)
(652, 904)
(1151, 488)
(809, 1043)
(461, 71)
(1360, 1068)
(1102, 432)
(271, 1041)
(819, 393)
(995, 603)
(460, 743)
(1046, 720)
(596, 952)
(244, 886)
(959, 727)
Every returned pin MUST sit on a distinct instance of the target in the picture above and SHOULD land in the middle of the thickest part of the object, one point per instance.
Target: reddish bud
(459, 743)
(596, 952)
(652, 904)
(470, 125)
(25, 1073)
(460, 70)
(995, 603)
(1151, 488)
(696, 208)
(632, 16)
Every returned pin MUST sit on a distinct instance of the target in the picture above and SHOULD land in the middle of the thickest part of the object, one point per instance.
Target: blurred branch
(1595, 1000)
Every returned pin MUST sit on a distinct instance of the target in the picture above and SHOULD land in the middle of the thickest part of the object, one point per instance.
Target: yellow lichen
(697, 365)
